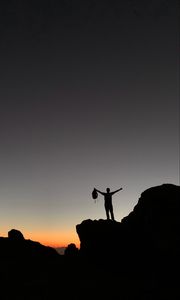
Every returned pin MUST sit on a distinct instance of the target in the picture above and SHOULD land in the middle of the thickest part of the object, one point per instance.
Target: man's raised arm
(100, 192)
(116, 191)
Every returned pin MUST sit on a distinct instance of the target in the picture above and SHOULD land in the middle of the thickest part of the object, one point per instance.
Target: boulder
(16, 235)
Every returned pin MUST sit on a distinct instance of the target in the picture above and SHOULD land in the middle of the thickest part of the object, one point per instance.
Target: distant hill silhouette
(15, 246)
(150, 230)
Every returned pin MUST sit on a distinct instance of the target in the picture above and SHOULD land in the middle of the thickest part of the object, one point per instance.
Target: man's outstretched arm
(100, 192)
(116, 191)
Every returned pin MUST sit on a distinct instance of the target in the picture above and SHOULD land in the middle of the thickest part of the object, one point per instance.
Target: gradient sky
(88, 98)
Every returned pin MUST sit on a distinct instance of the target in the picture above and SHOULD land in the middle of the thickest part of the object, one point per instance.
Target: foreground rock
(149, 234)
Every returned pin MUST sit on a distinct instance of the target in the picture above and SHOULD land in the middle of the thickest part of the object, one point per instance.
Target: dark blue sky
(89, 97)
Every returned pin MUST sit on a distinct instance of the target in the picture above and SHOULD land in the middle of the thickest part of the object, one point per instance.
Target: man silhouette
(108, 201)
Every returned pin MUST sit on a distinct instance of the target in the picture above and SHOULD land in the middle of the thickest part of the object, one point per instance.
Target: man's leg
(112, 214)
(107, 212)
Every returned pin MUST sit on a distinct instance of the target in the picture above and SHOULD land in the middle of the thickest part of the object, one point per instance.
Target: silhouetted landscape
(89, 160)
(137, 258)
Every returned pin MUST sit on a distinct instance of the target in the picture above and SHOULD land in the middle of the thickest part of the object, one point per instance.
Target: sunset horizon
(59, 238)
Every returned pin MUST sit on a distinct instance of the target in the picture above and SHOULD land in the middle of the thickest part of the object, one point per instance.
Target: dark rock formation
(156, 217)
(28, 269)
(149, 233)
(71, 250)
(98, 237)
(17, 247)
(14, 234)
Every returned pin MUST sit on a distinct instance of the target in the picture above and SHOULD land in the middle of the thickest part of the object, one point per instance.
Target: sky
(89, 97)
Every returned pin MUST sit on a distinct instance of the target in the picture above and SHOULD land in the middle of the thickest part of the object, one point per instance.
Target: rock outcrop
(15, 235)
(150, 232)
(71, 250)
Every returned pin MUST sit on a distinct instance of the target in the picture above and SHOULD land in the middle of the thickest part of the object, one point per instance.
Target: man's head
(108, 190)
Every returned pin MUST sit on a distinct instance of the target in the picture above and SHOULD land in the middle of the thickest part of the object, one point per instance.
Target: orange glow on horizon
(60, 243)
(52, 238)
